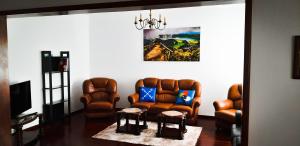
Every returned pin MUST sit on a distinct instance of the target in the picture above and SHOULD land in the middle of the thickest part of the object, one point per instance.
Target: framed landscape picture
(173, 44)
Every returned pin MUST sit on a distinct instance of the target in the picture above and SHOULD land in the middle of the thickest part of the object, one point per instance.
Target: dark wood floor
(78, 132)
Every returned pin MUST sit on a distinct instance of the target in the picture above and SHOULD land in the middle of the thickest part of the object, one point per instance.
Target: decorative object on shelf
(296, 59)
(150, 22)
(63, 64)
(54, 110)
(176, 44)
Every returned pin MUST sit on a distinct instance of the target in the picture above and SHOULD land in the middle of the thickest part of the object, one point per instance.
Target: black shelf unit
(55, 110)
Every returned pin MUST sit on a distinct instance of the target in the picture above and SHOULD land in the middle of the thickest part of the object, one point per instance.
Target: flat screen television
(20, 98)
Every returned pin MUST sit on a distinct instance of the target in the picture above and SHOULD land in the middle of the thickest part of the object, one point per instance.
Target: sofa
(99, 97)
(167, 90)
(225, 110)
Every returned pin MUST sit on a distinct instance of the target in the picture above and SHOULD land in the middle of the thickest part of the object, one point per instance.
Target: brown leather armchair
(225, 109)
(100, 97)
(167, 90)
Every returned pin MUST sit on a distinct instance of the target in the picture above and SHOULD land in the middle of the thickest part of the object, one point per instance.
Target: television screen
(20, 98)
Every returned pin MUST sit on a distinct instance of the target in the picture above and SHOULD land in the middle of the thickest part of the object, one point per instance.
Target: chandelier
(150, 22)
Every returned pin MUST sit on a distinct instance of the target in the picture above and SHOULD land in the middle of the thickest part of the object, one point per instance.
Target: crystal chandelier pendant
(152, 23)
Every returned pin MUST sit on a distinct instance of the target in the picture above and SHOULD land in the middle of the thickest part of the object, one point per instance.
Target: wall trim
(5, 137)
(247, 68)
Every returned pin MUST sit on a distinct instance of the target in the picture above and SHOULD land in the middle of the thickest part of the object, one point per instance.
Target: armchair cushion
(103, 105)
(100, 96)
(228, 115)
(147, 94)
(185, 97)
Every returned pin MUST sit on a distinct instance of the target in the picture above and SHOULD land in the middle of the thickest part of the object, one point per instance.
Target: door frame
(118, 6)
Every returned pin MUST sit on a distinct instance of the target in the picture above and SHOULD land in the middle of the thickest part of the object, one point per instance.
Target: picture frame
(296, 58)
(172, 44)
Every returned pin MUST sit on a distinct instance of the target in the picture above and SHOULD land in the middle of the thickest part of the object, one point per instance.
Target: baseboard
(76, 112)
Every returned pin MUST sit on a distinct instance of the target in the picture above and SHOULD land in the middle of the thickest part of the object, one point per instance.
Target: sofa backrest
(167, 89)
(147, 82)
(187, 84)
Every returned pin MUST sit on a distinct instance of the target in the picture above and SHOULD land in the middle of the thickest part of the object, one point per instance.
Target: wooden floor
(78, 132)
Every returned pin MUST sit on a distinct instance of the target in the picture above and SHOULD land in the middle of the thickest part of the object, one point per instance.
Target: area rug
(148, 137)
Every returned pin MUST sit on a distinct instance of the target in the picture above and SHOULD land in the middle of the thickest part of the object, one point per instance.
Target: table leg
(164, 125)
(180, 130)
(118, 122)
(127, 123)
(158, 134)
(145, 120)
(137, 125)
(184, 125)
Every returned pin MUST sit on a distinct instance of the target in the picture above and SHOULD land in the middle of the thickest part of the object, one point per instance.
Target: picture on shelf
(173, 44)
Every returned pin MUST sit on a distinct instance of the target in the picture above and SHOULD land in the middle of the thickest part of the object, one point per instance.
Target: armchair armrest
(85, 99)
(133, 98)
(114, 97)
(196, 102)
(223, 105)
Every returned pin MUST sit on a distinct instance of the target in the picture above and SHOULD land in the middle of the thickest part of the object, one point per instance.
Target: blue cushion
(185, 97)
(147, 94)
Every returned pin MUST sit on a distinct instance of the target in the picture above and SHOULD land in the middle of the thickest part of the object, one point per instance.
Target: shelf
(58, 87)
(55, 67)
(57, 102)
(56, 72)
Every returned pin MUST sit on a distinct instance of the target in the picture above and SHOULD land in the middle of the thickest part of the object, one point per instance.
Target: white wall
(274, 96)
(29, 36)
(117, 50)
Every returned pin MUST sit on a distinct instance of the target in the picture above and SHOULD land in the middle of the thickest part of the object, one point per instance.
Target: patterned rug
(148, 137)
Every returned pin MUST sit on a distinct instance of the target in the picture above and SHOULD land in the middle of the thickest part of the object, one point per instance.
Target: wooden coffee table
(135, 114)
(174, 117)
